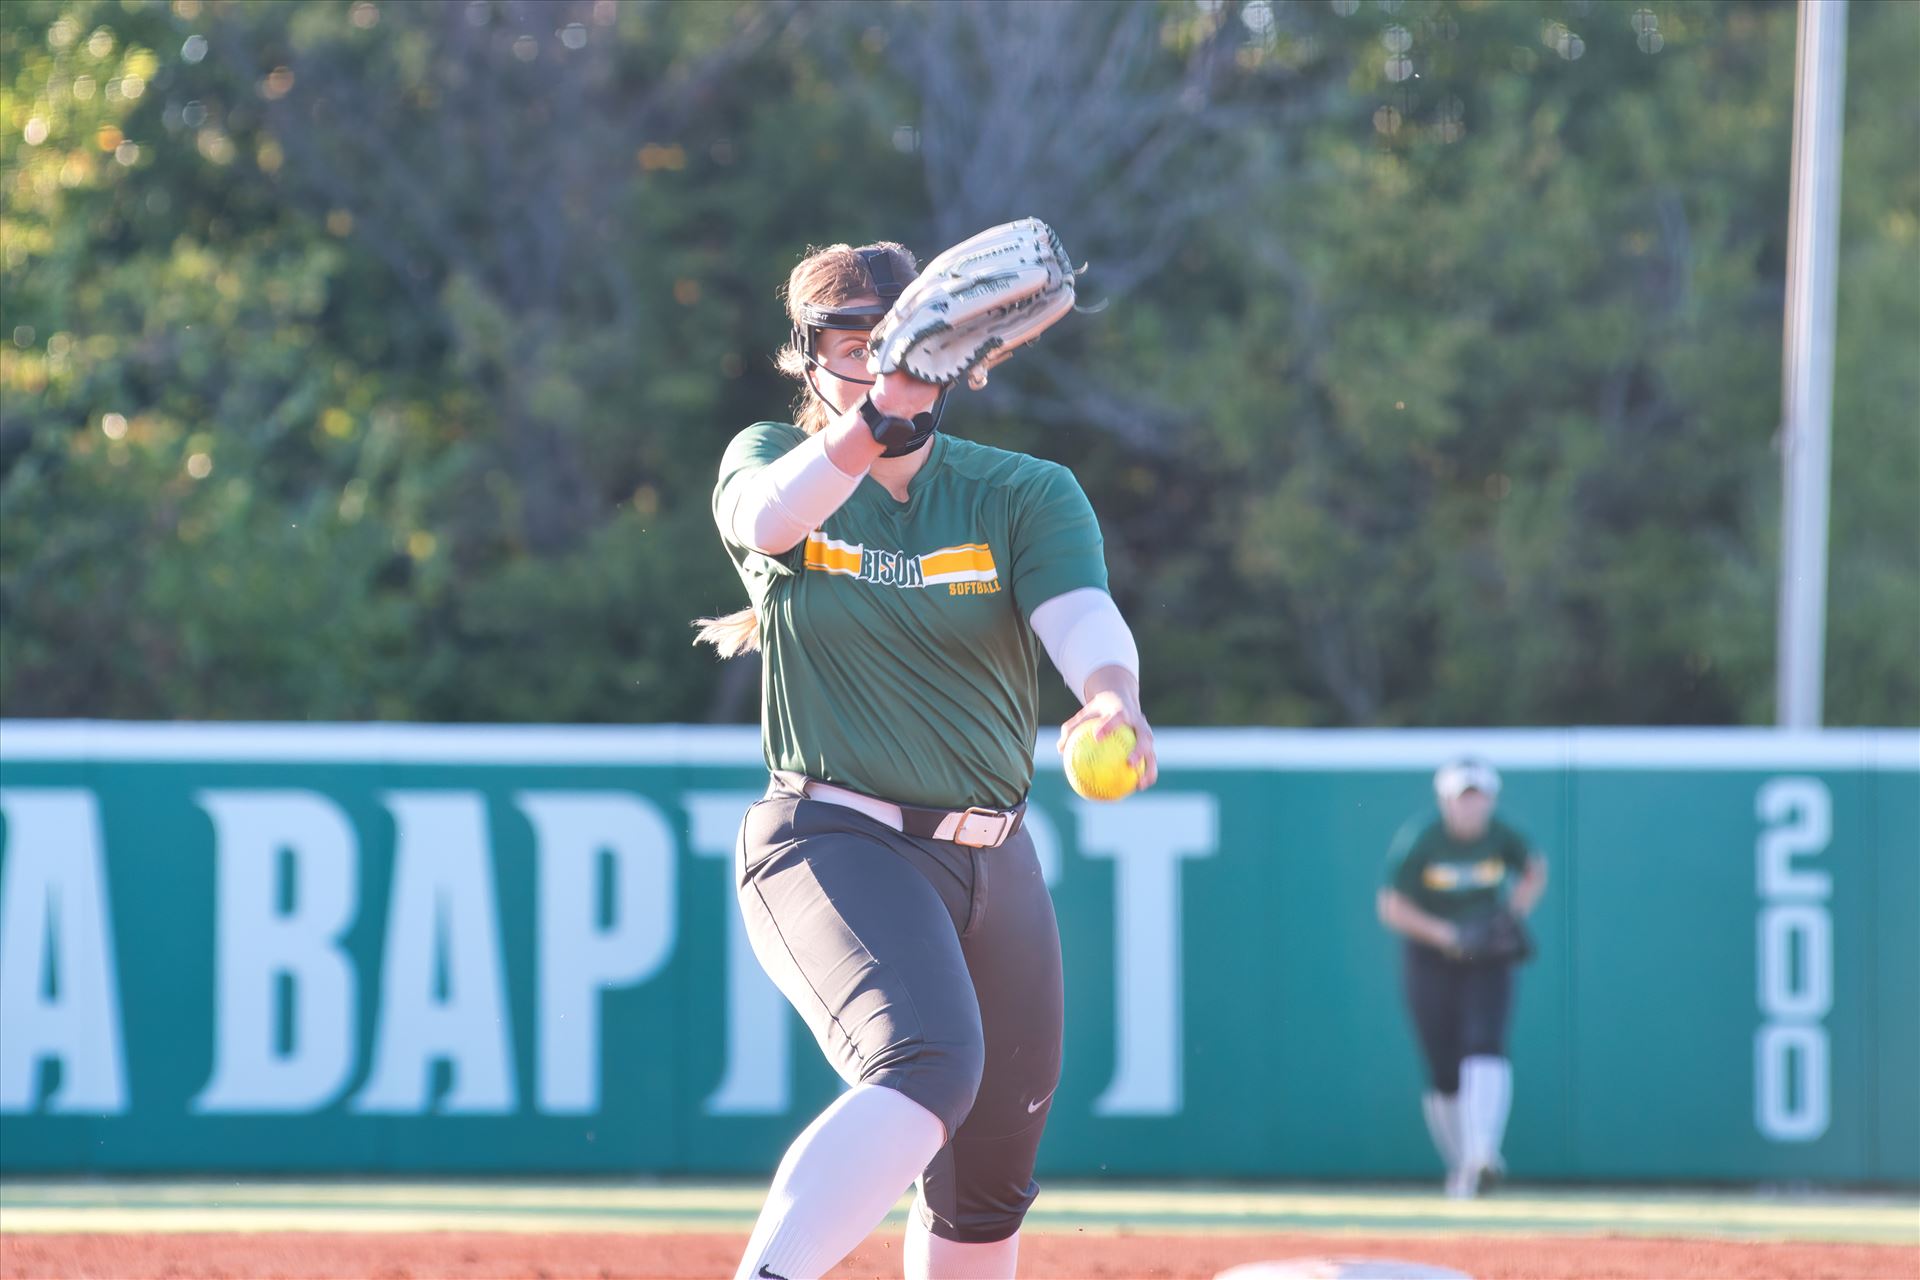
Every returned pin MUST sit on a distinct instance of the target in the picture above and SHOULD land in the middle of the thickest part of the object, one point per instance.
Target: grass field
(417, 1229)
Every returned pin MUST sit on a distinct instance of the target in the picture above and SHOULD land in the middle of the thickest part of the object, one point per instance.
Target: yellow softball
(1097, 768)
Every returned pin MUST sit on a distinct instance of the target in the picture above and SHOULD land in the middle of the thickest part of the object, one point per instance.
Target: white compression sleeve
(1486, 1091)
(1083, 631)
(838, 1180)
(790, 497)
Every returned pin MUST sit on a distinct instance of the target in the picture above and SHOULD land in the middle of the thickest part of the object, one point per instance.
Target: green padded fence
(459, 949)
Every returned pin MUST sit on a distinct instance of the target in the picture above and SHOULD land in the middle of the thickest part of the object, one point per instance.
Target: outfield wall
(462, 949)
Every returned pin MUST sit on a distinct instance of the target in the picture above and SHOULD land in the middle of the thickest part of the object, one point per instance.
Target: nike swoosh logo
(1036, 1105)
(765, 1274)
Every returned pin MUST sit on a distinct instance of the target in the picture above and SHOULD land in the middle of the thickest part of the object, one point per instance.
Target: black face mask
(805, 337)
(924, 424)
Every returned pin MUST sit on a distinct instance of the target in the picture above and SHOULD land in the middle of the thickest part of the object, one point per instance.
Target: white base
(1341, 1269)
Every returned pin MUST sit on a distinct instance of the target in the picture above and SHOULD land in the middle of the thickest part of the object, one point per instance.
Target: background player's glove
(1496, 937)
(976, 304)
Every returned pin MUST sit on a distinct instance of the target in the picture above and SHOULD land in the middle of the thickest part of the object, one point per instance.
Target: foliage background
(372, 360)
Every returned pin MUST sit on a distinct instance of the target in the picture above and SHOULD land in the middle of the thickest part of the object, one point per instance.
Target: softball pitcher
(903, 584)
(1457, 888)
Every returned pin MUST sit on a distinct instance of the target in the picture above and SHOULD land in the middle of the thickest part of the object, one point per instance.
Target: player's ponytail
(730, 634)
(826, 277)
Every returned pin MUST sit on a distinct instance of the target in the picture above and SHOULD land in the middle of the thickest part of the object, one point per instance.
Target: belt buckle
(963, 834)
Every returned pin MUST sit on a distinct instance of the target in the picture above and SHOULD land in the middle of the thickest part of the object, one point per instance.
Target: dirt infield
(396, 1229)
(296, 1255)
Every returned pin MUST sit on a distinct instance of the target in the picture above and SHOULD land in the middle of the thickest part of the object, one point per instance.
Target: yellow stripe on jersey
(969, 562)
(832, 555)
(1447, 876)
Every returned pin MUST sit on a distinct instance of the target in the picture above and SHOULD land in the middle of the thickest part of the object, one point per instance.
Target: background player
(902, 584)
(1456, 888)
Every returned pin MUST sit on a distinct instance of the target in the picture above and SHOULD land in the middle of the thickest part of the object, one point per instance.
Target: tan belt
(973, 828)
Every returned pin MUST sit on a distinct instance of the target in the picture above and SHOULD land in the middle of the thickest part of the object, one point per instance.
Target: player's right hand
(1110, 708)
(901, 395)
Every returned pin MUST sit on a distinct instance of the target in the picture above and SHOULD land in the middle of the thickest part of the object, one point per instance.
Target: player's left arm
(1531, 884)
(1093, 648)
(1059, 581)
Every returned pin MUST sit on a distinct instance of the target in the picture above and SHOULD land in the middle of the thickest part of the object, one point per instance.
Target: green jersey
(897, 656)
(1455, 880)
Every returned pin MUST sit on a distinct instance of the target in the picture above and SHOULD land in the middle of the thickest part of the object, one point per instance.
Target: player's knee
(1483, 1042)
(941, 1075)
(954, 1069)
(987, 1223)
(979, 1192)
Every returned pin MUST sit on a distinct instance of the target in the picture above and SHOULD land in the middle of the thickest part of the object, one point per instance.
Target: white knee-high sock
(928, 1257)
(1486, 1091)
(1443, 1123)
(838, 1180)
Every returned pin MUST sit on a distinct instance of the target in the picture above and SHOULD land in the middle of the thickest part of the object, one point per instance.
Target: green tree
(369, 359)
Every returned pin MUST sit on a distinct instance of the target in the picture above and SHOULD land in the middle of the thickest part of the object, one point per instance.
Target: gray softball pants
(923, 966)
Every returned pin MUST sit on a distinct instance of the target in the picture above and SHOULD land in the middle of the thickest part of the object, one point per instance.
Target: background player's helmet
(1466, 774)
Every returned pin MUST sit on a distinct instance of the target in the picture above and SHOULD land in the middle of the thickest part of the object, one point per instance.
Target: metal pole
(1806, 398)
